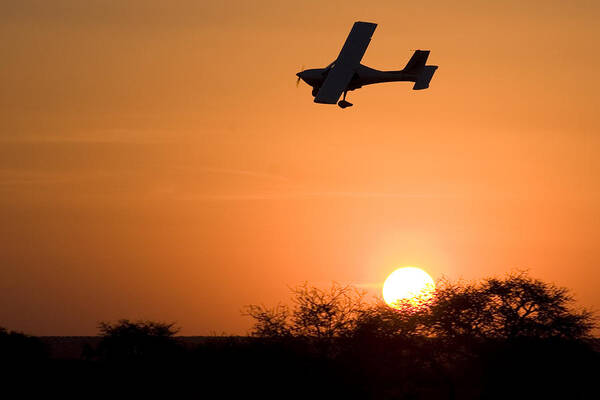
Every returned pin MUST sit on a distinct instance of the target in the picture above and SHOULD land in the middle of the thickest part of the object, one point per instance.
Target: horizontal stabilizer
(425, 77)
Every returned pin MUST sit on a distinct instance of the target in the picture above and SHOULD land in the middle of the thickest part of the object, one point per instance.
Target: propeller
(298, 80)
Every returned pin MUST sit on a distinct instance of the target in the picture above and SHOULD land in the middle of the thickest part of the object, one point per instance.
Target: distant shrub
(16, 347)
(140, 340)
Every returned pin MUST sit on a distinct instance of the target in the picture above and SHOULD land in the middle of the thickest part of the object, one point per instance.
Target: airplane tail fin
(425, 77)
(416, 66)
(416, 62)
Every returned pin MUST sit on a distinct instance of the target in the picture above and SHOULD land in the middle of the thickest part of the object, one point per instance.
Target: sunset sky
(157, 160)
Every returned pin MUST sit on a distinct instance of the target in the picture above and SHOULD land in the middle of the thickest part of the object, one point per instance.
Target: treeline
(516, 306)
(512, 337)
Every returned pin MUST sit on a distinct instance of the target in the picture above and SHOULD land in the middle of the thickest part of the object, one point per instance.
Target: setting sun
(408, 283)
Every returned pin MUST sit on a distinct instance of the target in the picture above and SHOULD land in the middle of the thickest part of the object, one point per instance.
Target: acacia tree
(523, 306)
(314, 312)
(269, 322)
(128, 340)
(515, 306)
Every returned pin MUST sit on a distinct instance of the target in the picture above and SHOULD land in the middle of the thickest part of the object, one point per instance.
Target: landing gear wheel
(343, 103)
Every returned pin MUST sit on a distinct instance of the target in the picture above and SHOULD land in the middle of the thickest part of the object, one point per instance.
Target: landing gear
(343, 103)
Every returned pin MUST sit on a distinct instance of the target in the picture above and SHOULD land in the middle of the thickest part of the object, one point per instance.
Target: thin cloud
(17, 178)
(309, 195)
(100, 136)
(242, 172)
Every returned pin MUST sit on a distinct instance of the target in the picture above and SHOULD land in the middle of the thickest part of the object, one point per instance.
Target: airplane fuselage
(363, 76)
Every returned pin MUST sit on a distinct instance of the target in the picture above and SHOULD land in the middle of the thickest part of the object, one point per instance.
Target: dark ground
(71, 347)
(249, 368)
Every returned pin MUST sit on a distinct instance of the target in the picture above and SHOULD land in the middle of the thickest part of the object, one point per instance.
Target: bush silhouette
(137, 341)
(17, 347)
(315, 313)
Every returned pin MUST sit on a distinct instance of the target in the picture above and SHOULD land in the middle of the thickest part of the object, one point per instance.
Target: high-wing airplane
(347, 73)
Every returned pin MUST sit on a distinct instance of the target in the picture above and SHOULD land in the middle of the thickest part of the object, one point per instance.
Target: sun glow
(408, 284)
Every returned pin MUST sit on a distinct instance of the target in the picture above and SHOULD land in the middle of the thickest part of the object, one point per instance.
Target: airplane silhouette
(347, 73)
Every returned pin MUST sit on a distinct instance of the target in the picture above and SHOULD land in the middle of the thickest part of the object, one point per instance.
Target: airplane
(346, 73)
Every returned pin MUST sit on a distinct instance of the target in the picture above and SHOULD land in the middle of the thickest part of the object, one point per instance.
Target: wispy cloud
(97, 136)
(17, 178)
(242, 172)
(308, 195)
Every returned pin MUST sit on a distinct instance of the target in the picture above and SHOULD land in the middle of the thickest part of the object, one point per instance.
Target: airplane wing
(343, 68)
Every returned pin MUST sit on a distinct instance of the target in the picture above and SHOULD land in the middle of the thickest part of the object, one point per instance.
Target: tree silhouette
(315, 313)
(17, 347)
(269, 322)
(380, 321)
(141, 340)
(512, 307)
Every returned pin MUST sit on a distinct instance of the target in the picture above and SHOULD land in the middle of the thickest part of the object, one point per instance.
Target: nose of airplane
(299, 75)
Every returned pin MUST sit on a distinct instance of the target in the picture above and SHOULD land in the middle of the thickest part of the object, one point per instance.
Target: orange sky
(157, 160)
